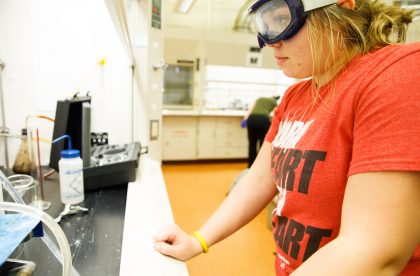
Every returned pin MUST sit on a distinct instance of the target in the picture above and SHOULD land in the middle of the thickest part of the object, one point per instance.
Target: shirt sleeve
(386, 129)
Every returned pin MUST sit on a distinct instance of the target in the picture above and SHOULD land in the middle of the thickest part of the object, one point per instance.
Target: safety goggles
(276, 20)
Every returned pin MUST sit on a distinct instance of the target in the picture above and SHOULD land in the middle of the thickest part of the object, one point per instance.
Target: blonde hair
(370, 26)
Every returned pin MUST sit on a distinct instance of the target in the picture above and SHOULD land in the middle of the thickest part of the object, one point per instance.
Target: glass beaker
(26, 187)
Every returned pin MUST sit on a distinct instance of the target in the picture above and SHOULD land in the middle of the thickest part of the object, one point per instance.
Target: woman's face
(294, 56)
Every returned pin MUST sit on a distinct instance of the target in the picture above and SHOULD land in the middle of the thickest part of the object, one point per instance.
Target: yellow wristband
(202, 241)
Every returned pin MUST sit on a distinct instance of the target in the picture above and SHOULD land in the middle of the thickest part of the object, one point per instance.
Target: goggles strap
(261, 42)
(309, 5)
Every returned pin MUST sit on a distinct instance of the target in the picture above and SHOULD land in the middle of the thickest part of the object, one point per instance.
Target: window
(228, 87)
(178, 86)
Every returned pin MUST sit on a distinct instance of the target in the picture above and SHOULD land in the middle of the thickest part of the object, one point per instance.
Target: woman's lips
(281, 60)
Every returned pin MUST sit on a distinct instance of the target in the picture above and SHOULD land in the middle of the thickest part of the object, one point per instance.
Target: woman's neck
(345, 57)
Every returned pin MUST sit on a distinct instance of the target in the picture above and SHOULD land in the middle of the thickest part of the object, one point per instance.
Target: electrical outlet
(154, 129)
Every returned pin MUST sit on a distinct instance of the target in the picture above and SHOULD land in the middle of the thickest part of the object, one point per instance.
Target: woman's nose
(275, 45)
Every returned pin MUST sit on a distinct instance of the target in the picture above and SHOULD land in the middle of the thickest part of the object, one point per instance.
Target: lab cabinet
(229, 139)
(204, 137)
(179, 138)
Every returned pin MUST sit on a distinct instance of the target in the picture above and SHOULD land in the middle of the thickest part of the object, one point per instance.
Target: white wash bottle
(70, 168)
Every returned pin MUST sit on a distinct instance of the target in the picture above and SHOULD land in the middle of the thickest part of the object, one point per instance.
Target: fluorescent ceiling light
(183, 6)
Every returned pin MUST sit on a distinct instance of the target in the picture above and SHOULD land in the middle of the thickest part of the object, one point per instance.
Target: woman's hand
(175, 242)
(229, 217)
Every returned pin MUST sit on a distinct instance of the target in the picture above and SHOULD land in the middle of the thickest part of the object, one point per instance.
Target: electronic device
(103, 165)
(112, 164)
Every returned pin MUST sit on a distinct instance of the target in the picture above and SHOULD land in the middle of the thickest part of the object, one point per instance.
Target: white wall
(221, 48)
(413, 34)
(51, 49)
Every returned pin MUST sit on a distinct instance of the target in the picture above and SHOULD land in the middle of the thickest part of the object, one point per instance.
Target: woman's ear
(349, 4)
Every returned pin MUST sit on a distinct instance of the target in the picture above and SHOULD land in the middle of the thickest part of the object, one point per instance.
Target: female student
(343, 149)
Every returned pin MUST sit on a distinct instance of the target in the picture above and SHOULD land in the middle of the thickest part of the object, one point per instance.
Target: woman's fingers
(165, 249)
(173, 241)
(167, 234)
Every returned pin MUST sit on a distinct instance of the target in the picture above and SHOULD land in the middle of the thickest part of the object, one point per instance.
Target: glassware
(22, 164)
(62, 253)
(26, 187)
(36, 170)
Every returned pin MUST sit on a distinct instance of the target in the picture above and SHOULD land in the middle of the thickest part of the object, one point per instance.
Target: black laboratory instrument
(103, 165)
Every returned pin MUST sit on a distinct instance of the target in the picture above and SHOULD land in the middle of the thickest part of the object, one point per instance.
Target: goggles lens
(276, 20)
(272, 18)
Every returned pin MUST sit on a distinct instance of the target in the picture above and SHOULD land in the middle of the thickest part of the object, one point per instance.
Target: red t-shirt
(370, 121)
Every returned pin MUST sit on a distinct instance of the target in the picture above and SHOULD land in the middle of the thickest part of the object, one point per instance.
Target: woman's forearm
(239, 208)
(251, 194)
(346, 257)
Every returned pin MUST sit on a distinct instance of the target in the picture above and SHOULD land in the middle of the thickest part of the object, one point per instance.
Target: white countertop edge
(147, 210)
(228, 113)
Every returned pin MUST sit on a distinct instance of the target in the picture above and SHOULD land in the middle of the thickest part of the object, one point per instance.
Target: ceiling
(204, 15)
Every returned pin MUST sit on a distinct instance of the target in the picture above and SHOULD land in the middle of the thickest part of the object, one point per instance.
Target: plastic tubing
(63, 254)
(50, 223)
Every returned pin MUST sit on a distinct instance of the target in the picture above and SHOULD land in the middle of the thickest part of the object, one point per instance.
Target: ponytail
(386, 25)
(336, 34)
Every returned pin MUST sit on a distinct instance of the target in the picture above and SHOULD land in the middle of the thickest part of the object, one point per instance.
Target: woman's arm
(380, 227)
(250, 195)
(253, 192)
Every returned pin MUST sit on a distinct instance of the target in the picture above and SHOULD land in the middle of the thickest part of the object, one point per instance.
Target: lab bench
(95, 237)
(115, 236)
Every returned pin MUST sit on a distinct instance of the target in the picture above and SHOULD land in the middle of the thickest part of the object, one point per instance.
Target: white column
(148, 92)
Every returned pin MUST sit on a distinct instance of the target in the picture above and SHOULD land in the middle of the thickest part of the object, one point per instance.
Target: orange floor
(195, 190)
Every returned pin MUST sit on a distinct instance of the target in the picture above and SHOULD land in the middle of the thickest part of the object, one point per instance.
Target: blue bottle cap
(70, 153)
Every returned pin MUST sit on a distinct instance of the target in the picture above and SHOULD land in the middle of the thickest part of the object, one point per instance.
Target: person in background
(342, 152)
(257, 122)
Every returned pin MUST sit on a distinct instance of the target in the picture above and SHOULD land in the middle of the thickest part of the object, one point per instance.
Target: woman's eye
(282, 21)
